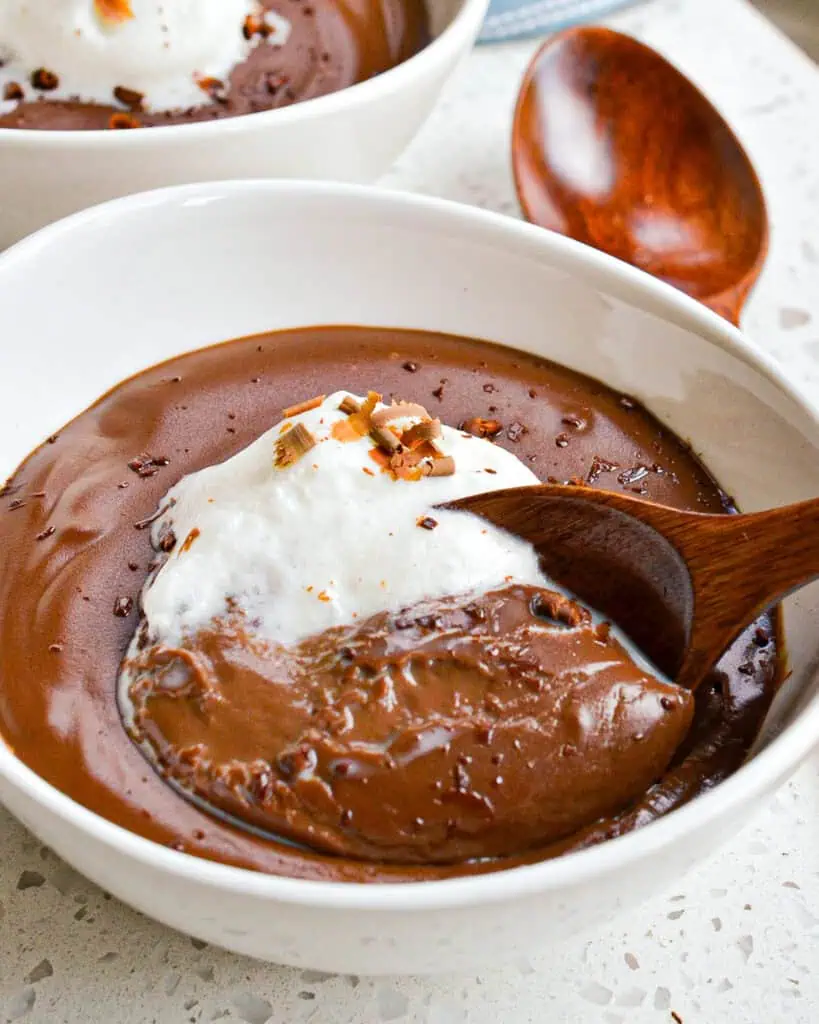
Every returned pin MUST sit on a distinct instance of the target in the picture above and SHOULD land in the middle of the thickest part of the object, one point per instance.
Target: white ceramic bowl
(90, 300)
(352, 135)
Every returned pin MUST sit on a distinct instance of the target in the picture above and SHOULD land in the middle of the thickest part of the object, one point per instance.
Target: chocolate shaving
(427, 430)
(444, 466)
(479, 427)
(385, 439)
(398, 411)
(214, 87)
(49, 531)
(113, 10)
(13, 91)
(409, 457)
(122, 607)
(360, 415)
(426, 522)
(300, 407)
(291, 446)
(188, 542)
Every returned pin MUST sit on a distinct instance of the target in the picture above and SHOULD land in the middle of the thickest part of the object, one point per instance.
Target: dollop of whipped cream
(309, 528)
(162, 51)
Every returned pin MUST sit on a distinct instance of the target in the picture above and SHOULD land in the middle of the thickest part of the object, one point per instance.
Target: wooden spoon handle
(740, 565)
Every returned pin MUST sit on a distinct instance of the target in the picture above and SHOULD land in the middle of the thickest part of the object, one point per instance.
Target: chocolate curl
(300, 407)
(291, 446)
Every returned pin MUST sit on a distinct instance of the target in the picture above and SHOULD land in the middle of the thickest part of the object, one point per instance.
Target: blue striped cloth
(516, 19)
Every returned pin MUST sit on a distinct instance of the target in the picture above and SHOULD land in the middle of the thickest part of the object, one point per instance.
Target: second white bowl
(354, 135)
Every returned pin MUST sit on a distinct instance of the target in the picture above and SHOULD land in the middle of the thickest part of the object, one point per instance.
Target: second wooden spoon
(611, 145)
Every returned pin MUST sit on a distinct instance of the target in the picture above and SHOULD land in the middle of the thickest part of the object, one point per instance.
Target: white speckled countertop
(738, 940)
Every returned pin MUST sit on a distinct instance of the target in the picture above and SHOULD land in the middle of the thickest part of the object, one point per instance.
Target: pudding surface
(76, 562)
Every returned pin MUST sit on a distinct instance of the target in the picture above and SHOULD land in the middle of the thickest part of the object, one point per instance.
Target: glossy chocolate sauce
(76, 555)
(332, 44)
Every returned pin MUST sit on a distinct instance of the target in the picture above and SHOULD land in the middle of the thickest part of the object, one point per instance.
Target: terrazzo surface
(736, 941)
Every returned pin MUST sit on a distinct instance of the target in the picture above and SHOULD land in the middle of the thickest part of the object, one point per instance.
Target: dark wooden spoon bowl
(682, 585)
(612, 146)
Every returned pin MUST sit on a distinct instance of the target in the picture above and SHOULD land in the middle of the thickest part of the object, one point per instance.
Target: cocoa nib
(548, 604)
(257, 25)
(598, 467)
(515, 431)
(122, 121)
(130, 98)
(147, 465)
(633, 475)
(122, 607)
(13, 91)
(167, 538)
(426, 522)
(44, 80)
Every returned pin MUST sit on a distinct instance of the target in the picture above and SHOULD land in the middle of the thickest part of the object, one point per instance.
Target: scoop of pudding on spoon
(612, 146)
(683, 585)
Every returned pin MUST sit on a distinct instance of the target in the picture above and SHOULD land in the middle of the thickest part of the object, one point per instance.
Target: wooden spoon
(682, 585)
(611, 145)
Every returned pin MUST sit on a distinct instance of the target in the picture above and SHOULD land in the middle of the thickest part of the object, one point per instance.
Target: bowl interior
(104, 294)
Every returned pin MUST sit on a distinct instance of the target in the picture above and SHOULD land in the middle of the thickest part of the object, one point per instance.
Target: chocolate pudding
(308, 48)
(410, 738)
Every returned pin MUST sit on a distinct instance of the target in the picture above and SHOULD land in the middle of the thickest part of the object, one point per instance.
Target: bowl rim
(767, 768)
(462, 28)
